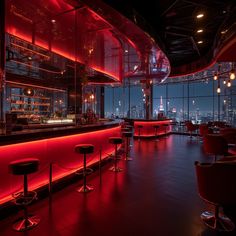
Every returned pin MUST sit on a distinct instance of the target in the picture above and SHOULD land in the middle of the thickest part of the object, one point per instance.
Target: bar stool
(216, 145)
(130, 127)
(115, 141)
(156, 127)
(165, 127)
(123, 143)
(127, 136)
(85, 149)
(24, 167)
(125, 129)
(139, 130)
(126, 123)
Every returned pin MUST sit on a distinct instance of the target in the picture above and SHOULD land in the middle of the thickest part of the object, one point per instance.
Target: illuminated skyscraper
(161, 107)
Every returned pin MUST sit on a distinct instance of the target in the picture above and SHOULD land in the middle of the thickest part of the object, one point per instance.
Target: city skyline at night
(196, 100)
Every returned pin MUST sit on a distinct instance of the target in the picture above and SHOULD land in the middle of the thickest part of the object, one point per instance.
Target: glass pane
(175, 90)
(158, 91)
(200, 109)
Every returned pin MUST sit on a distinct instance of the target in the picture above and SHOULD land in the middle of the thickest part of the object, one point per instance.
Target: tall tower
(161, 107)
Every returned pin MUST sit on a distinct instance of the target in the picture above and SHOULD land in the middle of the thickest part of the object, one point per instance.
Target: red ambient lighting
(148, 129)
(59, 151)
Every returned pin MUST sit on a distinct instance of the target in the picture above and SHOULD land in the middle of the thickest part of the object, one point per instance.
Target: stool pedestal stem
(85, 188)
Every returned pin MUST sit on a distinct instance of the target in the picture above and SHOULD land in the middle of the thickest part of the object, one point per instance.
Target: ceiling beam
(171, 6)
(195, 46)
(205, 4)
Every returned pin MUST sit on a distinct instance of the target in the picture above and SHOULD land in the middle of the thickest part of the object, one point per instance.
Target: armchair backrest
(203, 129)
(215, 144)
(217, 182)
(190, 126)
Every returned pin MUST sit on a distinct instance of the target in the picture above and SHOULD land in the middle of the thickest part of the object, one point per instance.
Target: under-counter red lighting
(148, 129)
(59, 150)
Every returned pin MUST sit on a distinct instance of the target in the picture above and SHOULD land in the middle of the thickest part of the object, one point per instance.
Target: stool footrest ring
(22, 200)
(88, 171)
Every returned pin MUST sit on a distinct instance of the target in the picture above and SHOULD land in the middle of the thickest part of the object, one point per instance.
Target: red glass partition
(74, 32)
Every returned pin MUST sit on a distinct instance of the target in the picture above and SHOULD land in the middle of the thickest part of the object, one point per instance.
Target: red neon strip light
(39, 68)
(30, 50)
(36, 86)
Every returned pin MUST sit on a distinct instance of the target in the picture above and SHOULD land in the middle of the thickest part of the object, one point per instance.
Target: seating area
(208, 177)
(217, 186)
(118, 118)
(162, 168)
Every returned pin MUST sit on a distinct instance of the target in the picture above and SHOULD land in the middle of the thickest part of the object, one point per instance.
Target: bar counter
(54, 145)
(146, 128)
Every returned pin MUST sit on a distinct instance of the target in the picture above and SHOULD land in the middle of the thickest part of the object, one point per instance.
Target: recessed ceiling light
(53, 21)
(200, 31)
(224, 31)
(200, 42)
(126, 51)
(200, 15)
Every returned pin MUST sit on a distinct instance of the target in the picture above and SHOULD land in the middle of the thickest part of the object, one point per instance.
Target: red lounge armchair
(191, 127)
(217, 185)
(229, 134)
(215, 144)
(203, 130)
(228, 158)
(219, 124)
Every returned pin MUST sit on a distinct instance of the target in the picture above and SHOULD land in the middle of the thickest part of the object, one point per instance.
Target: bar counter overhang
(57, 148)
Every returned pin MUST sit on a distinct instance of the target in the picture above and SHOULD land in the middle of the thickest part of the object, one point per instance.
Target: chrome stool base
(24, 224)
(88, 171)
(221, 223)
(85, 189)
(119, 157)
(115, 169)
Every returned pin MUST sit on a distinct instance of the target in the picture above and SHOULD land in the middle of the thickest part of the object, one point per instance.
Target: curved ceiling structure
(191, 43)
(89, 32)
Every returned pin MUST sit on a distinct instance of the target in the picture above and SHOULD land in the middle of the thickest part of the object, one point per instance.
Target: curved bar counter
(52, 146)
(147, 128)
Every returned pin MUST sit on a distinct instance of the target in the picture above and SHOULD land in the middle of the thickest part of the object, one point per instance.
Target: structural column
(147, 87)
(102, 102)
(2, 56)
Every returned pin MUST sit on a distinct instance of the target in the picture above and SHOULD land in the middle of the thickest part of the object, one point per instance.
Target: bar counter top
(52, 132)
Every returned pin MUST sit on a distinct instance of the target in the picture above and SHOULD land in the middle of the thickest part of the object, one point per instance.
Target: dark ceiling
(173, 24)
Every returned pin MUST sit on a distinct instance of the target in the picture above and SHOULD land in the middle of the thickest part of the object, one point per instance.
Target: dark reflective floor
(154, 195)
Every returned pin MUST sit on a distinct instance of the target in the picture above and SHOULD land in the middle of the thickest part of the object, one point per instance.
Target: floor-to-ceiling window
(194, 98)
